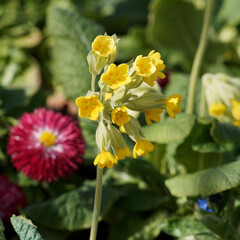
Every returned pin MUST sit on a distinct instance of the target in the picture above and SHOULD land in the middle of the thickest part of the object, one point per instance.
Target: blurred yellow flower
(159, 64)
(116, 76)
(236, 110)
(217, 109)
(172, 106)
(144, 66)
(142, 147)
(122, 153)
(89, 106)
(237, 123)
(105, 159)
(152, 115)
(104, 46)
(120, 116)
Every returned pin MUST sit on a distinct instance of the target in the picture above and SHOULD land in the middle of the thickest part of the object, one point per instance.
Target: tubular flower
(172, 106)
(105, 159)
(144, 66)
(45, 145)
(142, 147)
(158, 63)
(152, 115)
(89, 106)
(217, 109)
(104, 46)
(122, 153)
(116, 76)
(11, 198)
(120, 115)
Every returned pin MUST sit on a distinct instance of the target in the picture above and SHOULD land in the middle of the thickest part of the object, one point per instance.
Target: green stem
(93, 83)
(198, 57)
(97, 204)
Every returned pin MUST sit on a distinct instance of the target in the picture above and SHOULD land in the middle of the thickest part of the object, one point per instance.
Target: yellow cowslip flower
(120, 115)
(105, 159)
(104, 46)
(89, 106)
(236, 110)
(159, 64)
(172, 106)
(122, 153)
(142, 147)
(217, 109)
(144, 66)
(116, 76)
(237, 123)
(152, 115)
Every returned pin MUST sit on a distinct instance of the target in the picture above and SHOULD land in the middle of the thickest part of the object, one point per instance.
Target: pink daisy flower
(11, 198)
(45, 145)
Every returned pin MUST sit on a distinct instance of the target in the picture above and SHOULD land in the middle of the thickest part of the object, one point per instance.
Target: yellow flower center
(47, 138)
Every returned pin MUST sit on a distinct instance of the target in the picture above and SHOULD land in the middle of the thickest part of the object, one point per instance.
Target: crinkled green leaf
(25, 228)
(170, 130)
(143, 170)
(205, 182)
(229, 12)
(71, 211)
(136, 228)
(72, 35)
(182, 226)
(206, 236)
(1, 231)
(175, 24)
(136, 200)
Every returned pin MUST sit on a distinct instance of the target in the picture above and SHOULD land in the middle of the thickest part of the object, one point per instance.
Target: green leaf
(170, 130)
(137, 200)
(225, 133)
(182, 226)
(175, 24)
(71, 211)
(135, 228)
(205, 182)
(143, 170)
(25, 228)
(229, 12)
(206, 236)
(225, 230)
(72, 35)
(1, 231)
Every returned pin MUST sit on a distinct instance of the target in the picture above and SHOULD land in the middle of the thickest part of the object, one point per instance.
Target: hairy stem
(93, 82)
(198, 57)
(97, 204)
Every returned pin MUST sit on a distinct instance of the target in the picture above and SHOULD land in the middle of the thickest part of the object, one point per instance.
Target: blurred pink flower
(45, 145)
(11, 198)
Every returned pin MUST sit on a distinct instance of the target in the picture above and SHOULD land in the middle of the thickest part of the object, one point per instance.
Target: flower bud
(103, 137)
(133, 129)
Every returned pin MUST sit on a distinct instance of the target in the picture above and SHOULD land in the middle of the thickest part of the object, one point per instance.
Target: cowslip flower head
(46, 146)
(120, 115)
(172, 106)
(11, 198)
(152, 115)
(105, 159)
(142, 147)
(116, 76)
(217, 109)
(158, 63)
(144, 66)
(89, 107)
(104, 46)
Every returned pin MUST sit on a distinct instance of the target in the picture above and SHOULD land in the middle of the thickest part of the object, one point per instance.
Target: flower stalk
(97, 204)
(198, 57)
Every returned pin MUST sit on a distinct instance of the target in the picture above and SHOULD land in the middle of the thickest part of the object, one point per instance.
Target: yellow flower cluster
(111, 105)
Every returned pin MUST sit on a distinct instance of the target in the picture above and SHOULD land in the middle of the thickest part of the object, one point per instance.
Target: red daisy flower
(11, 198)
(45, 145)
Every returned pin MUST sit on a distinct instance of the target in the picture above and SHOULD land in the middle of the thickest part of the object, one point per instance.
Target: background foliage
(43, 49)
